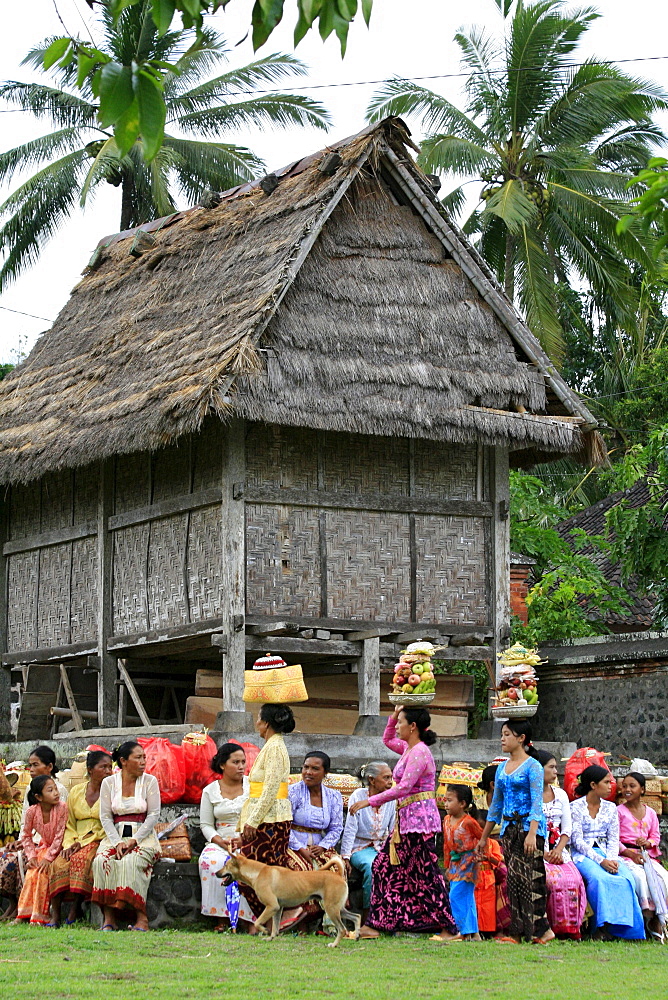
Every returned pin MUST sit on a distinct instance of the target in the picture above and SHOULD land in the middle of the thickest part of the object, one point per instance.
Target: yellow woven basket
(280, 685)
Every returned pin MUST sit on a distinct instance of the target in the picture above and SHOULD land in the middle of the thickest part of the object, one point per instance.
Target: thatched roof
(344, 301)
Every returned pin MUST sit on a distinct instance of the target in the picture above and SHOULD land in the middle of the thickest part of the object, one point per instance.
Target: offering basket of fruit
(413, 682)
(517, 693)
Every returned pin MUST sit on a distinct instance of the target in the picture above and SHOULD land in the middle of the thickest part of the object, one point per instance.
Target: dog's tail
(336, 863)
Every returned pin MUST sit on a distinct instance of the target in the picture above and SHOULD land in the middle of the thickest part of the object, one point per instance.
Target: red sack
(96, 746)
(575, 765)
(251, 752)
(197, 753)
(164, 760)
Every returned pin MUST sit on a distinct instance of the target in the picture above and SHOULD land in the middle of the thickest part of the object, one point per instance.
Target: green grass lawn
(84, 964)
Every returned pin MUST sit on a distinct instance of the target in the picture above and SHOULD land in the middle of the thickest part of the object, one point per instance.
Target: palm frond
(47, 102)
(454, 202)
(450, 154)
(536, 290)
(404, 98)
(105, 162)
(216, 165)
(269, 109)
(203, 56)
(269, 70)
(36, 151)
(511, 203)
(485, 88)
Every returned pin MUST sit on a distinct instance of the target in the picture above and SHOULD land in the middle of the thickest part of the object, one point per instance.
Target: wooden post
(500, 551)
(71, 701)
(132, 691)
(234, 717)
(107, 673)
(368, 687)
(5, 672)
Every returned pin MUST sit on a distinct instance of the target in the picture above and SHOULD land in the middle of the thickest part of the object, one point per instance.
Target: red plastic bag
(164, 760)
(96, 746)
(251, 752)
(575, 765)
(197, 754)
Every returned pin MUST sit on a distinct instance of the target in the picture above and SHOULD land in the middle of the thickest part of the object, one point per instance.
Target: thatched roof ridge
(211, 319)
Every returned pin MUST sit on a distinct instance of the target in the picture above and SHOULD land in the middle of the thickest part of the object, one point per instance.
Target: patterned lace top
(519, 794)
(415, 772)
(588, 831)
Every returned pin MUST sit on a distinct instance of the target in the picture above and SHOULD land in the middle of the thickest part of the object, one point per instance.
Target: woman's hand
(248, 834)
(555, 856)
(349, 867)
(643, 842)
(397, 709)
(356, 806)
(481, 849)
(219, 842)
(69, 851)
(317, 851)
(306, 854)
(610, 866)
(634, 856)
(43, 866)
(530, 843)
(33, 863)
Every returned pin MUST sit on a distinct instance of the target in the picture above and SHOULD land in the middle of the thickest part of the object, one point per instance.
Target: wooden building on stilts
(282, 423)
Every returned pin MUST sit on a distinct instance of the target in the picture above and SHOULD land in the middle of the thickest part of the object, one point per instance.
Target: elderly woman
(366, 832)
(72, 870)
(42, 761)
(219, 814)
(129, 810)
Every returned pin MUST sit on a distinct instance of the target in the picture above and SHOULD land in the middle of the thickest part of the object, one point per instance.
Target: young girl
(491, 895)
(461, 834)
(638, 829)
(46, 816)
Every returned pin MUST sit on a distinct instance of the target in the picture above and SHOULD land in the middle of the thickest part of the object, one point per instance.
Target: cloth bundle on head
(272, 680)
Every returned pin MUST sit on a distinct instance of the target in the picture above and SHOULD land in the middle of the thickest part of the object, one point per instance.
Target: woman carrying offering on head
(566, 894)
(517, 805)
(129, 810)
(595, 851)
(409, 891)
(266, 815)
(365, 832)
(491, 896)
(72, 870)
(46, 816)
(638, 831)
(461, 834)
(42, 761)
(219, 814)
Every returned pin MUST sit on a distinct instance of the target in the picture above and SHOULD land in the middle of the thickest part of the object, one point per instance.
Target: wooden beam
(132, 691)
(233, 567)
(46, 538)
(368, 678)
(106, 689)
(273, 628)
(369, 633)
(384, 503)
(308, 647)
(165, 635)
(71, 701)
(51, 654)
(353, 625)
(166, 508)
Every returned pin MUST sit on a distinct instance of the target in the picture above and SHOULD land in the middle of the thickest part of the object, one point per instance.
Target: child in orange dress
(47, 816)
(461, 833)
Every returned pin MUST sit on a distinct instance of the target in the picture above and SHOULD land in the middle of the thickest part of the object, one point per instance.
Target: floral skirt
(527, 889)
(413, 895)
(35, 894)
(270, 846)
(566, 899)
(123, 883)
(219, 900)
(75, 875)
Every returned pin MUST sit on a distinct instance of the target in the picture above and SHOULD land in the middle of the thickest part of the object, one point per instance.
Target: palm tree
(553, 145)
(79, 156)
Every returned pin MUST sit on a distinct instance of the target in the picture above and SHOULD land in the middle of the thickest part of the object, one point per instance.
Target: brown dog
(279, 887)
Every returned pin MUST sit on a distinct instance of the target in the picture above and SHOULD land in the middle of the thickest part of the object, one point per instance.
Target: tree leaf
(152, 111)
(510, 203)
(347, 9)
(163, 14)
(56, 51)
(266, 15)
(367, 6)
(116, 94)
(85, 64)
(126, 128)
(116, 7)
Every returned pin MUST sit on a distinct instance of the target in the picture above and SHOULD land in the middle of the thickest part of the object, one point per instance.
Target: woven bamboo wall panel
(368, 565)
(451, 584)
(281, 456)
(132, 481)
(56, 500)
(171, 470)
(282, 560)
(83, 587)
(53, 607)
(167, 603)
(24, 509)
(445, 470)
(205, 554)
(129, 599)
(207, 455)
(358, 463)
(86, 484)
(22, 571)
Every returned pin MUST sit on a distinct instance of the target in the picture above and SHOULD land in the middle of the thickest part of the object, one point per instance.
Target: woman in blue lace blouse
(518, 807)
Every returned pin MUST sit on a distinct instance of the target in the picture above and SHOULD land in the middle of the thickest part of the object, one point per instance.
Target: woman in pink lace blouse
(409, 891)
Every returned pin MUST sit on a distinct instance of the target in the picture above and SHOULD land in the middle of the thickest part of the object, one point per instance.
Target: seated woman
(365, 832)
(491, 898)
(72, 870)
(129, 810)
(566, 894)
(42, 761)
(595, 849)
(219, 814)
(638, 830)
(46, 816)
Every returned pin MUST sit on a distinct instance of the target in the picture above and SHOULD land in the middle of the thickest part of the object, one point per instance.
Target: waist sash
(256, 788)
(128, 818)
(307, 829)
(396, 835)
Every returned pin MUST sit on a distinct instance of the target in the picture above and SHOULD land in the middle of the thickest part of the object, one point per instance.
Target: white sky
(406, 39)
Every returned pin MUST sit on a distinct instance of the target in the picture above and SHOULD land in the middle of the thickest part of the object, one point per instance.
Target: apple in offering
(413, 673)
(518, 684)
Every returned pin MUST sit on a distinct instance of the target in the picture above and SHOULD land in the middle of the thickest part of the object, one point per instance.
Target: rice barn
(281, 423)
